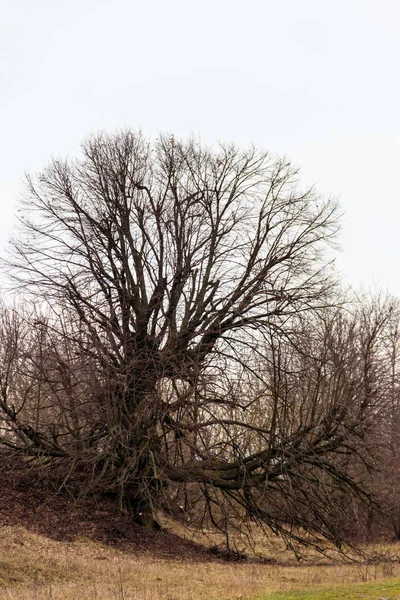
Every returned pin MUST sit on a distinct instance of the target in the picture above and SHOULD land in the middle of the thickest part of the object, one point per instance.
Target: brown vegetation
(34, 567)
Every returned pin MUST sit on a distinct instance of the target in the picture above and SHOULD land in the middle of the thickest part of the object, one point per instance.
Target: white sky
(316, 80)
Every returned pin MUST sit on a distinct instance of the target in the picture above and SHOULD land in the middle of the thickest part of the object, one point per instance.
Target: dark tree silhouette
(176, 279)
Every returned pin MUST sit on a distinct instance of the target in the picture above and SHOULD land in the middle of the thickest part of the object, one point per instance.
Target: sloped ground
(59, 517)
(54, 548)
(35, 567)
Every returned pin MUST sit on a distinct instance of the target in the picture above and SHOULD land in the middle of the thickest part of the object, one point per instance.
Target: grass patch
(387, 590)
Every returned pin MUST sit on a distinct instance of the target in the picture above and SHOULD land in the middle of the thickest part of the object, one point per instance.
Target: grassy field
(34, 567)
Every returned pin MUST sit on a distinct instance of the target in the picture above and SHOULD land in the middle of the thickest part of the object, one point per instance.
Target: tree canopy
(185, 346)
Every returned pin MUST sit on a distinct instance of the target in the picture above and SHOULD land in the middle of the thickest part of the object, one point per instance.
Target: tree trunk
(137, 450)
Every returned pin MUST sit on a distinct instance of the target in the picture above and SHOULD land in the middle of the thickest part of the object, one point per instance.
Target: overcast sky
(315, 80)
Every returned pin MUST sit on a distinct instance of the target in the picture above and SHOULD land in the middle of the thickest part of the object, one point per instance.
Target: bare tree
(380, 339)
(181, 270)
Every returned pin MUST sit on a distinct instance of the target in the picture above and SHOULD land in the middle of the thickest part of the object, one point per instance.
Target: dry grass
(33, 567)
